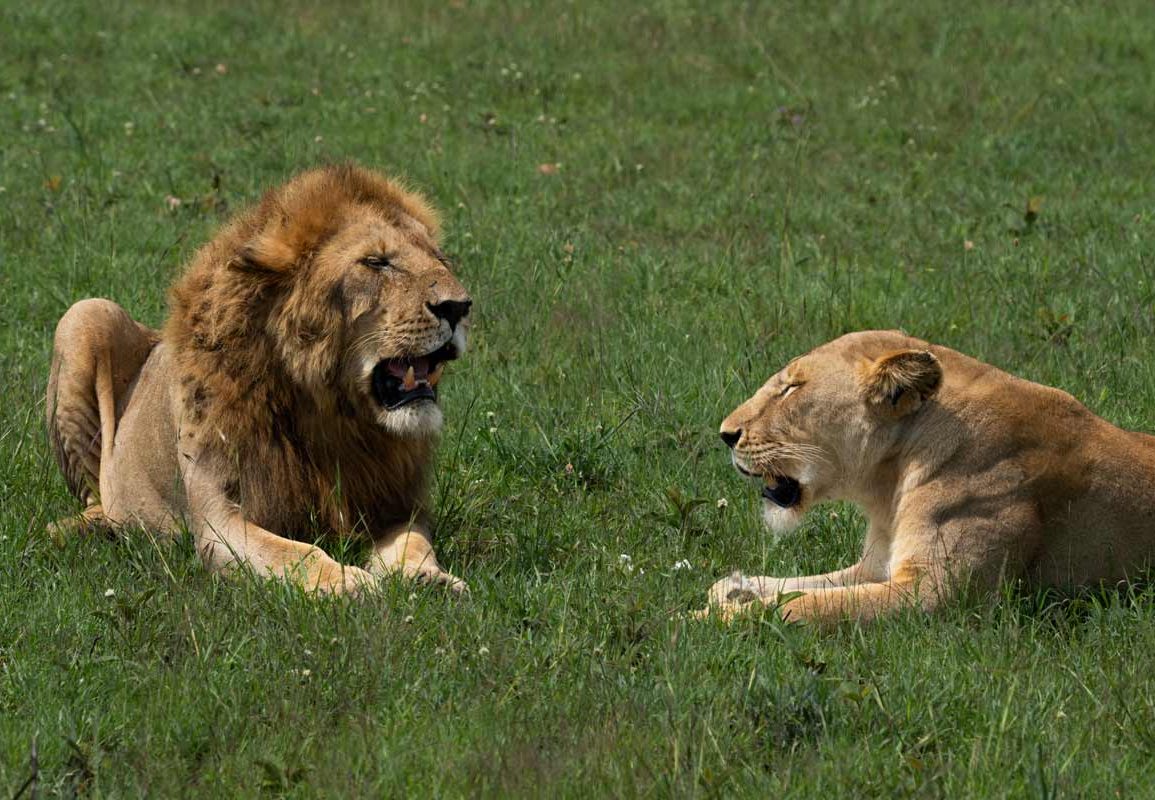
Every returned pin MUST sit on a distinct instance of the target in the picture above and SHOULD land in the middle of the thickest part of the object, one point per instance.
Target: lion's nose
(731, 437)
(452, 311)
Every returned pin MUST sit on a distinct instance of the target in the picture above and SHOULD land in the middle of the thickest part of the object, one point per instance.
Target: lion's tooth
(435, 375)
(410, 379)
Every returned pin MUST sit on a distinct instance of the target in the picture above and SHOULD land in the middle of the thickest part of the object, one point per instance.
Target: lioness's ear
(902, 381)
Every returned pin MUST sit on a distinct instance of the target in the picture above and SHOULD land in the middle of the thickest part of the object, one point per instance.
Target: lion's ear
(902, 381)
(285, 237)
(269, 253)
(273, 250)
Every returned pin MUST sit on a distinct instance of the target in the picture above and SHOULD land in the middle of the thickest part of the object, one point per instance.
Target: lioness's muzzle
(785, 492)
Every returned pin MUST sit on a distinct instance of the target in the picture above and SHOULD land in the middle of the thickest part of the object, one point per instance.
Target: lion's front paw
(337, 578)
(434, 575)
(424, 570)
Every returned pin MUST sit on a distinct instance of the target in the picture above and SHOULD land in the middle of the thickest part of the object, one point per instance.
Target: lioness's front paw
(723, 611)
(736, 589)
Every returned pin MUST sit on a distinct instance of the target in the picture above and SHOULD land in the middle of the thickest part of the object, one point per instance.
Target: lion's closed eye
(378, 262)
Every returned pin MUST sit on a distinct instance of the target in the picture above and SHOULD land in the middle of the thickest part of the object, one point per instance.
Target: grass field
(728, 184)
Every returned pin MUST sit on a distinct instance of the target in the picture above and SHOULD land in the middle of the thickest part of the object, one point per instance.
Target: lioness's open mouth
(786, 492)
(397, 382)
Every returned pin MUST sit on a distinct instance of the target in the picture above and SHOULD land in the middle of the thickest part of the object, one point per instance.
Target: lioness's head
(822, 427)
(365, 308)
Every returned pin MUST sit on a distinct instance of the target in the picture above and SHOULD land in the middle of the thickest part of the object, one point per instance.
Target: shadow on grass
(1068, 611)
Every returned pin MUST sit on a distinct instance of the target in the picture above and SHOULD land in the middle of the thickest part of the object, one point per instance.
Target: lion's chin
(419, 419)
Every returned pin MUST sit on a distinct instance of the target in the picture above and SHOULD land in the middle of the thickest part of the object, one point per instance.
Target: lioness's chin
(779, 520)
(415, 420)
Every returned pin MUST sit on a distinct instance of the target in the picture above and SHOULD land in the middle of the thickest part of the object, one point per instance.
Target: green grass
(737, 183)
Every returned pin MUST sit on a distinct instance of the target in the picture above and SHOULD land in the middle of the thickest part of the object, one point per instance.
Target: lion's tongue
(401, 367)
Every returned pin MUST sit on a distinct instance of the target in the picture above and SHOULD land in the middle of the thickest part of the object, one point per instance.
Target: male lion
(293, 388)
(967, 475)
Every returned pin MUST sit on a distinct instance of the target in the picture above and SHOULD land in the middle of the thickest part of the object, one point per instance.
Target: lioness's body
(273, 409)
(968, 475)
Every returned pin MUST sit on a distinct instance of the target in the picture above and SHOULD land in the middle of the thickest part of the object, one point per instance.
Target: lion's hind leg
(88, 522)
(97, 354)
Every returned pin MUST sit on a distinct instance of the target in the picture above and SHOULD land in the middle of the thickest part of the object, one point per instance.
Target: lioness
(966, 474)
(293, 390)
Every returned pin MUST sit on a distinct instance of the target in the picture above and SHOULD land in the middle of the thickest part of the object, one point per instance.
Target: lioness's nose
(731, 437)
(452, 311)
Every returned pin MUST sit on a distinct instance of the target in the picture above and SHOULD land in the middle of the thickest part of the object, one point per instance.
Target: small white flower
(110, 592)
(306, 673)
(722, 503)
(483, 651)
(409, 619)
(683, 564)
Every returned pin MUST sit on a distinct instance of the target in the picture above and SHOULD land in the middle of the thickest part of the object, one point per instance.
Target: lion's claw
(435, 576)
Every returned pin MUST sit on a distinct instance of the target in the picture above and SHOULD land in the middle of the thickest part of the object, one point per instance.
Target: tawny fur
(257, 397)
(968, 477)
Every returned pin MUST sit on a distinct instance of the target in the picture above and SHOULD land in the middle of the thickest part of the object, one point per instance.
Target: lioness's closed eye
(294, 386)
(967, 475)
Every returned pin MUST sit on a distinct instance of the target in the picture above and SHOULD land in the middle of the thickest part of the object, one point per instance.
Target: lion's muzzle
(397, 382)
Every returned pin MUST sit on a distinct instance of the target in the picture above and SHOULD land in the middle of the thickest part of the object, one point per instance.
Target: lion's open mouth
(786, 491)
(397, 382)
